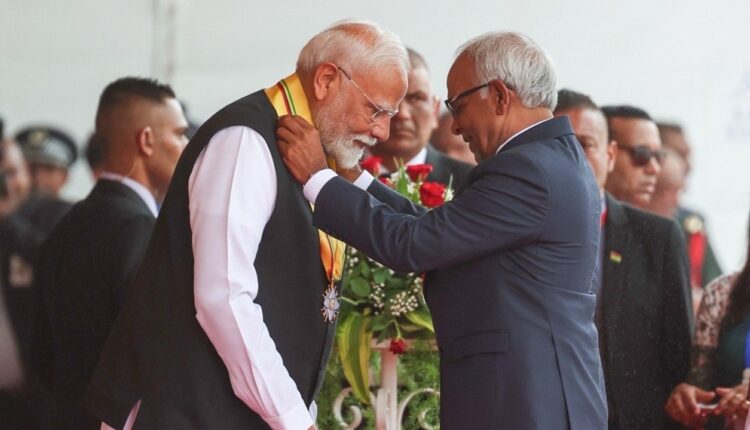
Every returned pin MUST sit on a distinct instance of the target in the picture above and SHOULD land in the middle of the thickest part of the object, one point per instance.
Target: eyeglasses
(380, 112)
(451, 103)
(641, 155)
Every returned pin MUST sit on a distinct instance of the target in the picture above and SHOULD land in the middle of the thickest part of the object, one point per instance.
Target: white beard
(336, 142)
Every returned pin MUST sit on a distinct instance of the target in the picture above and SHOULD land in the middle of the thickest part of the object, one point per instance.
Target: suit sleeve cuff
(364, 180)
(298, 418)
(315, 184)
(318, 180)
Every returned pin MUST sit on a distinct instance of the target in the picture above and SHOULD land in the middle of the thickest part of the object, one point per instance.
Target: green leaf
(421, 318)
(364, 268)
(359, 286)
(380, 322)
(353, 341)
(379, 275)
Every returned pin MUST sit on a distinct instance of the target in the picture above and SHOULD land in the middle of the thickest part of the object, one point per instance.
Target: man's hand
(300, 147)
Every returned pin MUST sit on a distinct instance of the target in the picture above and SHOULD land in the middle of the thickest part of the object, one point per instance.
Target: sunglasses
(641, 155)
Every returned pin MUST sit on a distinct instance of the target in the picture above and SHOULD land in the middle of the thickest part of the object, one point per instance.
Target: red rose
(372, 164)
(432, 194)
(398, 345)
(418, 172)
(386, 181)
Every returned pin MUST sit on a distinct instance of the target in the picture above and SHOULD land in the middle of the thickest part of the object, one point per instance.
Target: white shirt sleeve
(232, 191)
(316, 182)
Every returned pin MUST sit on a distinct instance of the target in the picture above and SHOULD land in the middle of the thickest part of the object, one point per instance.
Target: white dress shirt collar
(136, 186)
(420, 158)
(522, 131)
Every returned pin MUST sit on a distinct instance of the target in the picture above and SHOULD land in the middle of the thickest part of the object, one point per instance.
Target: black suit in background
(21, 236)
(443, 167)
(644, 316)
(85, 268)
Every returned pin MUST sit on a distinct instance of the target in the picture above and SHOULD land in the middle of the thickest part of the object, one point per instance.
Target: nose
(653, 167)
(455, 129)
(404, 112)
(381, 129)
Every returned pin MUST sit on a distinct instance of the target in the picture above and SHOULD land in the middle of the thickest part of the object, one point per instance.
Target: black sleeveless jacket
(157, 352)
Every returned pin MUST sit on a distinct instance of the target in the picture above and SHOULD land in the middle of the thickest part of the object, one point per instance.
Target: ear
(145, 141)
(326, 81)
(611, 155)
(502, 95)
(435, 116)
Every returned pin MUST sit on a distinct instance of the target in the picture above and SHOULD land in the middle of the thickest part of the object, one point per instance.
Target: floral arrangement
(377, 302)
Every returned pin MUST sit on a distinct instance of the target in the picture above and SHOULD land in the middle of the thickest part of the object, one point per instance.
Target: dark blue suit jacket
(509, 263)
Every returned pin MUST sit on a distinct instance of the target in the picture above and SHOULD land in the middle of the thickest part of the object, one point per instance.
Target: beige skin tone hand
(300, 147)
(683, 407)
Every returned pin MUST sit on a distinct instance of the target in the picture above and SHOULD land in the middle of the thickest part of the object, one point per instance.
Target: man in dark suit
(408, 142)
(509, 261)
(643, 313)
(90, 258)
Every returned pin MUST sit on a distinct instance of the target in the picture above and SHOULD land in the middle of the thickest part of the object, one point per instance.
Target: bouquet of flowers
(378, 303)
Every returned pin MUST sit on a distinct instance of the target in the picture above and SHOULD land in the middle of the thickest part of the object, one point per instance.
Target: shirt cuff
(315, 184)
(364, 180)
(297, 419)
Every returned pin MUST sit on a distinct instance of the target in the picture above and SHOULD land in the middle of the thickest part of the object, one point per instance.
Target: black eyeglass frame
(450, 103)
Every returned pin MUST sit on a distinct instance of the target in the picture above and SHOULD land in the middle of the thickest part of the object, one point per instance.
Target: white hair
(354, 45)
(516, 60)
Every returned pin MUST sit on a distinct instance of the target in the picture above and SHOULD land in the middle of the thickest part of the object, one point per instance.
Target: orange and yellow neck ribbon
(288, 98)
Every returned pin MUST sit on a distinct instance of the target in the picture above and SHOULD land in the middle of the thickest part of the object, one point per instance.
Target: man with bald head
(231, 318)
(409, 139)
(92, 256)
(643, 312)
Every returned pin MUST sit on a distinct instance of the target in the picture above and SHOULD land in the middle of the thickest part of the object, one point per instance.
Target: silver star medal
(330, 309)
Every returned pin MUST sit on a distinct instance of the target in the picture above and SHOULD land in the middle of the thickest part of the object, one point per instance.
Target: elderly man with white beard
(230, 321)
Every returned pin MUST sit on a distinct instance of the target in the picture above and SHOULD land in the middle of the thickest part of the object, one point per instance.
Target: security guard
(49, 153)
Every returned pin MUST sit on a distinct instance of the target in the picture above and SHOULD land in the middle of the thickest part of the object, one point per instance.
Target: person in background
(408, 142)
(18, 409)
(670, 184)
(450, 144)
(715, 391)
(91, 257)
(703, 263)
(93, 152)
(49, 153)
(643, 311)
(638, 163)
